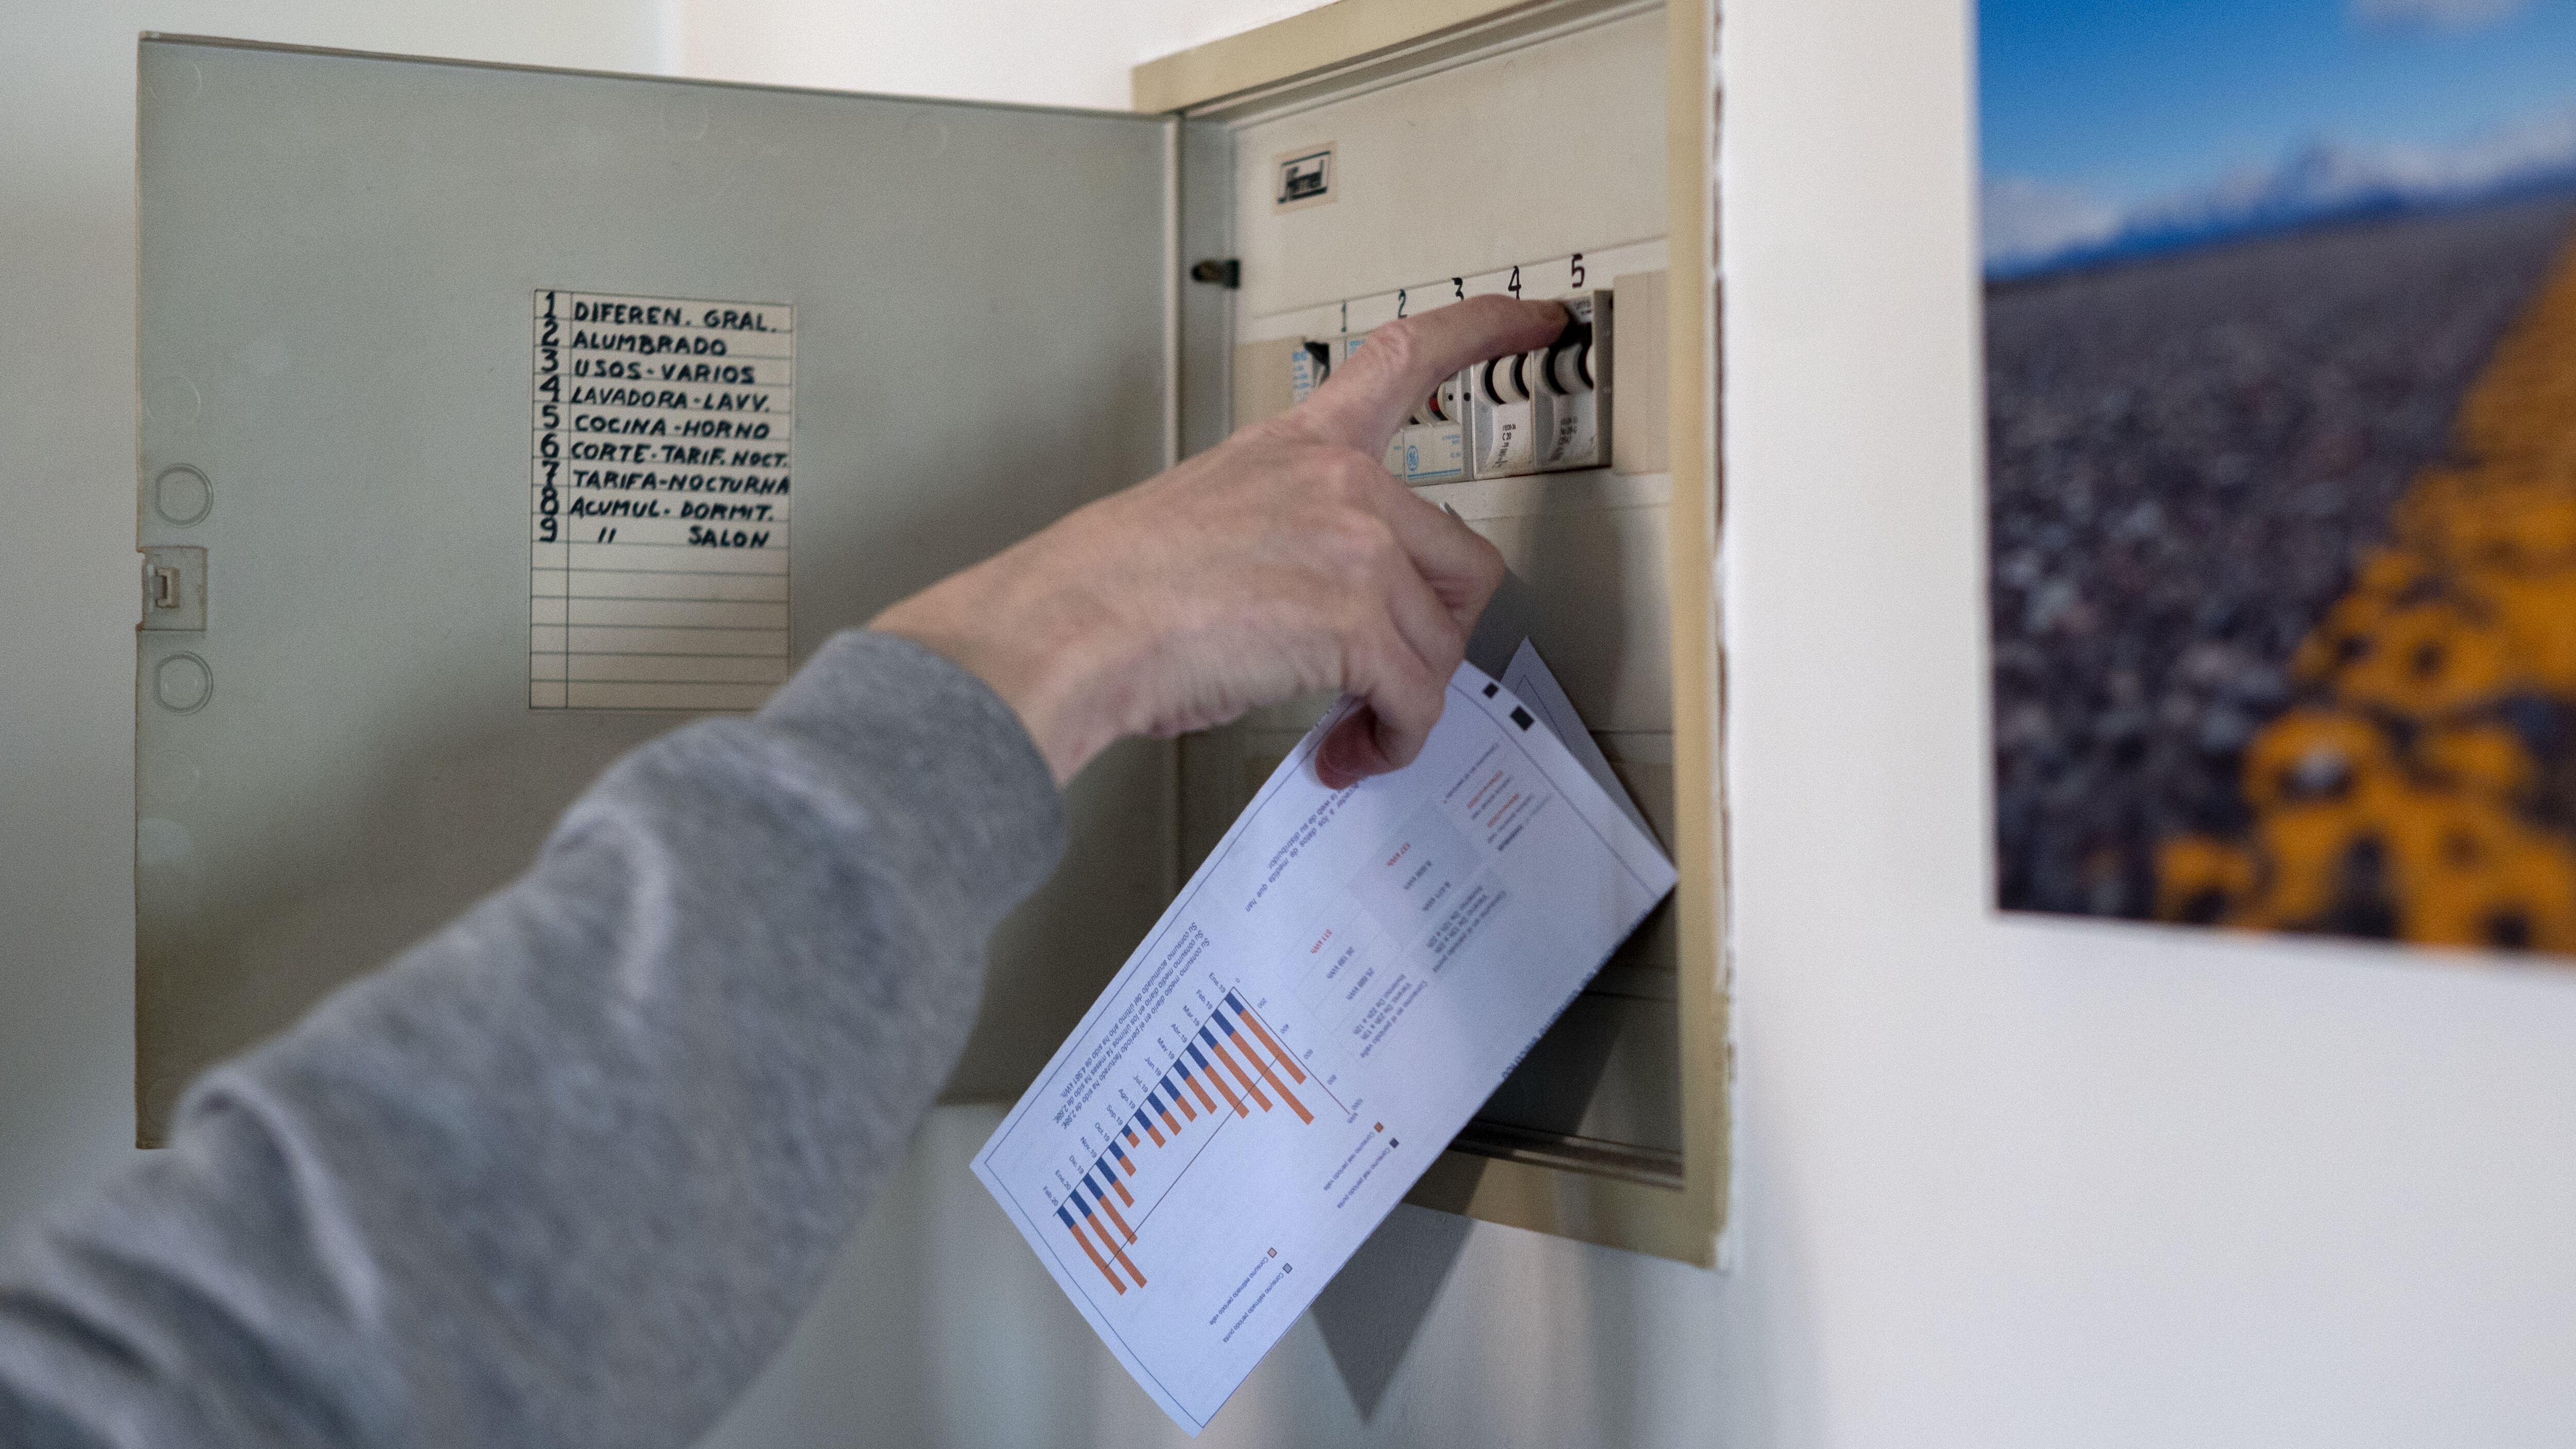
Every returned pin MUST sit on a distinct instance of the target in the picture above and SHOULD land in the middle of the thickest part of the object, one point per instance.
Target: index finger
(1368, 397)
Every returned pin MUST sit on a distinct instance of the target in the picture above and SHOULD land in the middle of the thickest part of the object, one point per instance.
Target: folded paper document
(1331, 997)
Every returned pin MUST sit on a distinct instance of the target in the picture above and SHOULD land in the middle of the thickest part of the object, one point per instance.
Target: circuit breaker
(464, 468)
(1542, 411)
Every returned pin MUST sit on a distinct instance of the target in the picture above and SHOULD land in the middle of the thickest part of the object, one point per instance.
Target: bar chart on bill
(1222, 1066)
(1331, 996)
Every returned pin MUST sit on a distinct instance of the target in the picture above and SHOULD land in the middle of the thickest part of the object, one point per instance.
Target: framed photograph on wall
(2280, 348)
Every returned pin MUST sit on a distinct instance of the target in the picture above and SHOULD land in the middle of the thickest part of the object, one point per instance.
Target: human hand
(1282, 561)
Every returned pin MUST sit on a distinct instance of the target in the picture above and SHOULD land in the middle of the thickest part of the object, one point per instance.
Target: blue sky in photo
(2120, 106)
(2127, 100)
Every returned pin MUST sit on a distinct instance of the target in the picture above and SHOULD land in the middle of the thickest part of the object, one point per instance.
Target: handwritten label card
(658, 502)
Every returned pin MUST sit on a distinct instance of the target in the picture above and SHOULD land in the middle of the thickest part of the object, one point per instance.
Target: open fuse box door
(497, 419)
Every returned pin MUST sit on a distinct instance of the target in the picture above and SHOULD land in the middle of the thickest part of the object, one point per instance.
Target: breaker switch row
(1543, 411)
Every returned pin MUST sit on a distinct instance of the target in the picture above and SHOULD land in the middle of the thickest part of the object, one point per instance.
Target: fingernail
(1334, 764)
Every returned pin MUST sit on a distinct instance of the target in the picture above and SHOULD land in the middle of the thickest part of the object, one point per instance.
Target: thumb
(1351, 753)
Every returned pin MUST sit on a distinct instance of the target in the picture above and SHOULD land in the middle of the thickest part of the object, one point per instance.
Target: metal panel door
(348, 723)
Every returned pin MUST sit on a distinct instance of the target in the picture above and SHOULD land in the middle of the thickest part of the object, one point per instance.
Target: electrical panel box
(1370, 163)
(415, 568)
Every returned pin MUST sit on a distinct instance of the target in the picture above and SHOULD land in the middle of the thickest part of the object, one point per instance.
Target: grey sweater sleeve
(568, 1171)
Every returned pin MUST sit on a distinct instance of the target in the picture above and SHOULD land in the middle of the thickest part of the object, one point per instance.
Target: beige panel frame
(1351, 43)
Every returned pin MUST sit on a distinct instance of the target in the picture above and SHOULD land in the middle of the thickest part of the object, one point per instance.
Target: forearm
(568, 1171)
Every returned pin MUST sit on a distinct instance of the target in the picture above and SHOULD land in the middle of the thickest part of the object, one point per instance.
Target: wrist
(1051, 661)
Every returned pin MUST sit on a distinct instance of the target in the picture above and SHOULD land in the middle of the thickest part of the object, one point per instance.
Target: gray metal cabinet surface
(339, 254)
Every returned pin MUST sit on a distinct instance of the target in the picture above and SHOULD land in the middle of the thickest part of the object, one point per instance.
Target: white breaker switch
(1430, 447)
(1544, 411)
(1568, 384)
(1435, 442)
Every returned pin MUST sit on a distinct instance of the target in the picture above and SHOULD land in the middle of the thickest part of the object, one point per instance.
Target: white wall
(2003, 1182)
(1037, 52)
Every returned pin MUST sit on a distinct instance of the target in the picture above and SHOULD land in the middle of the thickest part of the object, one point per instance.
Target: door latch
(174, 588)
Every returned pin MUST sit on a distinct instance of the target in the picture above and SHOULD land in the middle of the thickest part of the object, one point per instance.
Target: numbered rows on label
(676, 484)
(560, 343)
(563, 375)
(676, 534)
(645, 557)
(656, 584)
(658, 668)
(658, 613)
(561, 694)
(682, 643)
(720, 414)
(640, 309)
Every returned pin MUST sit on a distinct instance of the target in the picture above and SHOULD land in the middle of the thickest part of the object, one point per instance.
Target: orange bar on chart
(1263, 1067)
(1123, 1260)
(1280, 1087)
(1209, 1072)
(1115, 1251)
(1111, 1178)
(1240, 1075)
(1196, 1085)
(1089, 1251)
(1150, 1129)
(1121, 1222)
(1285, 1060)
(1177, 1099)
